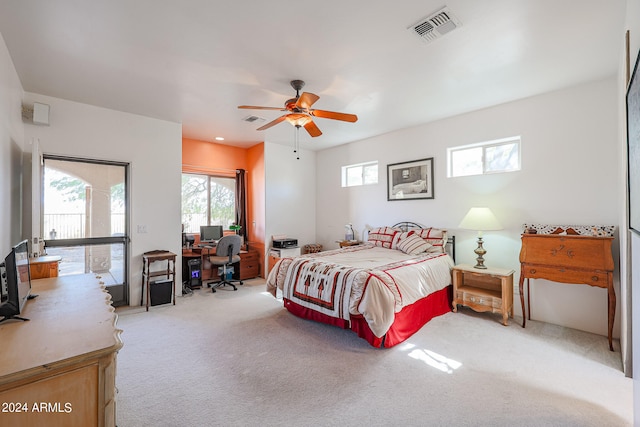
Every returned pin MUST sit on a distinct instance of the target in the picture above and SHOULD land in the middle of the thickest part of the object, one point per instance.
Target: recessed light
(219, 138)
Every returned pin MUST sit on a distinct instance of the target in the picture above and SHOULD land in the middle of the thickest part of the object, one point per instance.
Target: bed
(384, 290)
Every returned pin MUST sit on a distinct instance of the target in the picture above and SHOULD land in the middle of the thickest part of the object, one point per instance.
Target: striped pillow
(382, 236)
(436, 237)
(400, 235)
(413, 245)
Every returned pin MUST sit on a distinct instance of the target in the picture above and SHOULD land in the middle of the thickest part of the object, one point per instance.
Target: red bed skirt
(407, 322)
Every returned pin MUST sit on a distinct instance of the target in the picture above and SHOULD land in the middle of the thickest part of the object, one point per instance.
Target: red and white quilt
(368, 280)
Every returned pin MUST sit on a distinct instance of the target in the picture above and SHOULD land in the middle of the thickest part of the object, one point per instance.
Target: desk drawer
(567, 275)
(249, 265)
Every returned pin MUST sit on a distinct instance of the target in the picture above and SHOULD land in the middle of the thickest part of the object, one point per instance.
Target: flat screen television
(15, 280)
(210, 233)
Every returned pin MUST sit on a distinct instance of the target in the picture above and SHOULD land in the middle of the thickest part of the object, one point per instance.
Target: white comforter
(368, 280)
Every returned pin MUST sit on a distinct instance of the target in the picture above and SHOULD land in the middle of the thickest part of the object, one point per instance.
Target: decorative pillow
(382, 236)
(413, 245)
(436, 237)
(400, 235)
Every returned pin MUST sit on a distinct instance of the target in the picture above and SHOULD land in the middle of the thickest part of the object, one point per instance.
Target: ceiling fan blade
(306, 100)
(254, 107)
(335, 116)
(273, 123)
(312, 129)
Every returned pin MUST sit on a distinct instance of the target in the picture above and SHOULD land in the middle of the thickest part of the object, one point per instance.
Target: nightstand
(346, 243)
(482, 290)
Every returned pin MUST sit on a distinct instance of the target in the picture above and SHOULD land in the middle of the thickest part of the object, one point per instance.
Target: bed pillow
(436, 237)
(413, 245)
(382, 236)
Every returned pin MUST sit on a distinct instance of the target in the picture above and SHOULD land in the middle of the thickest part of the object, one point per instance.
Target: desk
(149, 258)
(44, 266)
(575, 259)
(65, 355)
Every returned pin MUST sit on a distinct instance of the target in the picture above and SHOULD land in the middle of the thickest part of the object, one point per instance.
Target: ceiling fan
(299, 111)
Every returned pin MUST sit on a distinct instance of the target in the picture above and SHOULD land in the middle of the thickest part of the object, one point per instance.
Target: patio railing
(72, 225)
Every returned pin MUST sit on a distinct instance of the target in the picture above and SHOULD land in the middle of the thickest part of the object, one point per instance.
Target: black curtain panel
(241, 201)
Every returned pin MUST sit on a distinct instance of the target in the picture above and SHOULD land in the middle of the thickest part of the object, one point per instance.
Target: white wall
(290, 203)
(630, 265)
(11, 143)
(152, 148)
(569, 176)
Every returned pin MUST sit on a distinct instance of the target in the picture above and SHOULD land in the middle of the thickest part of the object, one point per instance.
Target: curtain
(241, 202)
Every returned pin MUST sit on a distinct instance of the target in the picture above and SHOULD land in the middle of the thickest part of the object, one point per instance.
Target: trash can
(161, 291)
(229, 275)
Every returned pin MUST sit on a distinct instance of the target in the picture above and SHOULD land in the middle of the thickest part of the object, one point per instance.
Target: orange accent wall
(212, 158)
(256, 208)
(223, 160)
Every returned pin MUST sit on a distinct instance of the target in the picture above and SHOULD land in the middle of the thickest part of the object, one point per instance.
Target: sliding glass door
(85, 219)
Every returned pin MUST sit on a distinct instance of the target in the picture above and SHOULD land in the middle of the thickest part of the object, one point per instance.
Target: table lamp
(480, 219)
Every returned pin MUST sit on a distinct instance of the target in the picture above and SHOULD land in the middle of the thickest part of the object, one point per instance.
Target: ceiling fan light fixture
(299, 112)
(298, 120)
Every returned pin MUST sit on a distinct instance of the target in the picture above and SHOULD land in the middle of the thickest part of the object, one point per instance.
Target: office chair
(227, 253)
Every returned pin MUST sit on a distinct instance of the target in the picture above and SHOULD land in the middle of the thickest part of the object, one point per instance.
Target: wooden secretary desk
(578, 259)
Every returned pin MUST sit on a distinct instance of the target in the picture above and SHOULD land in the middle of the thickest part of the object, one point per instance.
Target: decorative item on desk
(236, 229)
(348, 235)
(480, 219)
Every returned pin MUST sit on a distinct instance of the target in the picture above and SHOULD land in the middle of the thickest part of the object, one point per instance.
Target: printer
(285, 243)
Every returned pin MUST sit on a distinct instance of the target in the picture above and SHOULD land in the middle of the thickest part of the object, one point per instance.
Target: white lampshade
(480, 219)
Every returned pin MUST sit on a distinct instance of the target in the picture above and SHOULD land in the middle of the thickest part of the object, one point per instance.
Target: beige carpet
(240, 359)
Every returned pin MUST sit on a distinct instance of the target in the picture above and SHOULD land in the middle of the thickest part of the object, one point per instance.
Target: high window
(207, 200)
(360, 174)
(496, 156)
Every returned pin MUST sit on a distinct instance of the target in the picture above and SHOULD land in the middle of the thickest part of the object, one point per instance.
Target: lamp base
(480, 251)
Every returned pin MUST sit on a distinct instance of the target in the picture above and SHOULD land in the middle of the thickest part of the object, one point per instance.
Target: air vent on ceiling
(435, 25)
(253, 119)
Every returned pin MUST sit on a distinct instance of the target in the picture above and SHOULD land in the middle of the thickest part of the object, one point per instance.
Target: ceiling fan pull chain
(296, 141)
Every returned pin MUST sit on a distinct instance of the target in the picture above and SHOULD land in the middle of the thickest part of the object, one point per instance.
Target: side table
(482, 290)
(345, 243)
(44, 266)
(149, 258)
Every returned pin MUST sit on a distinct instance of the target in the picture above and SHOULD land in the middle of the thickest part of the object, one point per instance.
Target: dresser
(574, 259)
(59, 368)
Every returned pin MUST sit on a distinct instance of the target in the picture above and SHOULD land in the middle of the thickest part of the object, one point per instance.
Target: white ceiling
(195, 61)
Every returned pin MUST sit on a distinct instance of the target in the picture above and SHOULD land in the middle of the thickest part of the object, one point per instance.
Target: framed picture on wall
(633, 147)
(410, 180)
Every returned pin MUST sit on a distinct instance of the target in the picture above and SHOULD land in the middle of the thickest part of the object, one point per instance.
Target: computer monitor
(209, 233)
(15, 282)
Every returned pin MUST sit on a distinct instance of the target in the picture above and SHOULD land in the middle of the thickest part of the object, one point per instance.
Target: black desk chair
(227, 253)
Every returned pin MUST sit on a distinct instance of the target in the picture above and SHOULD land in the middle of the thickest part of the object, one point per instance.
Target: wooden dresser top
(71, 319)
